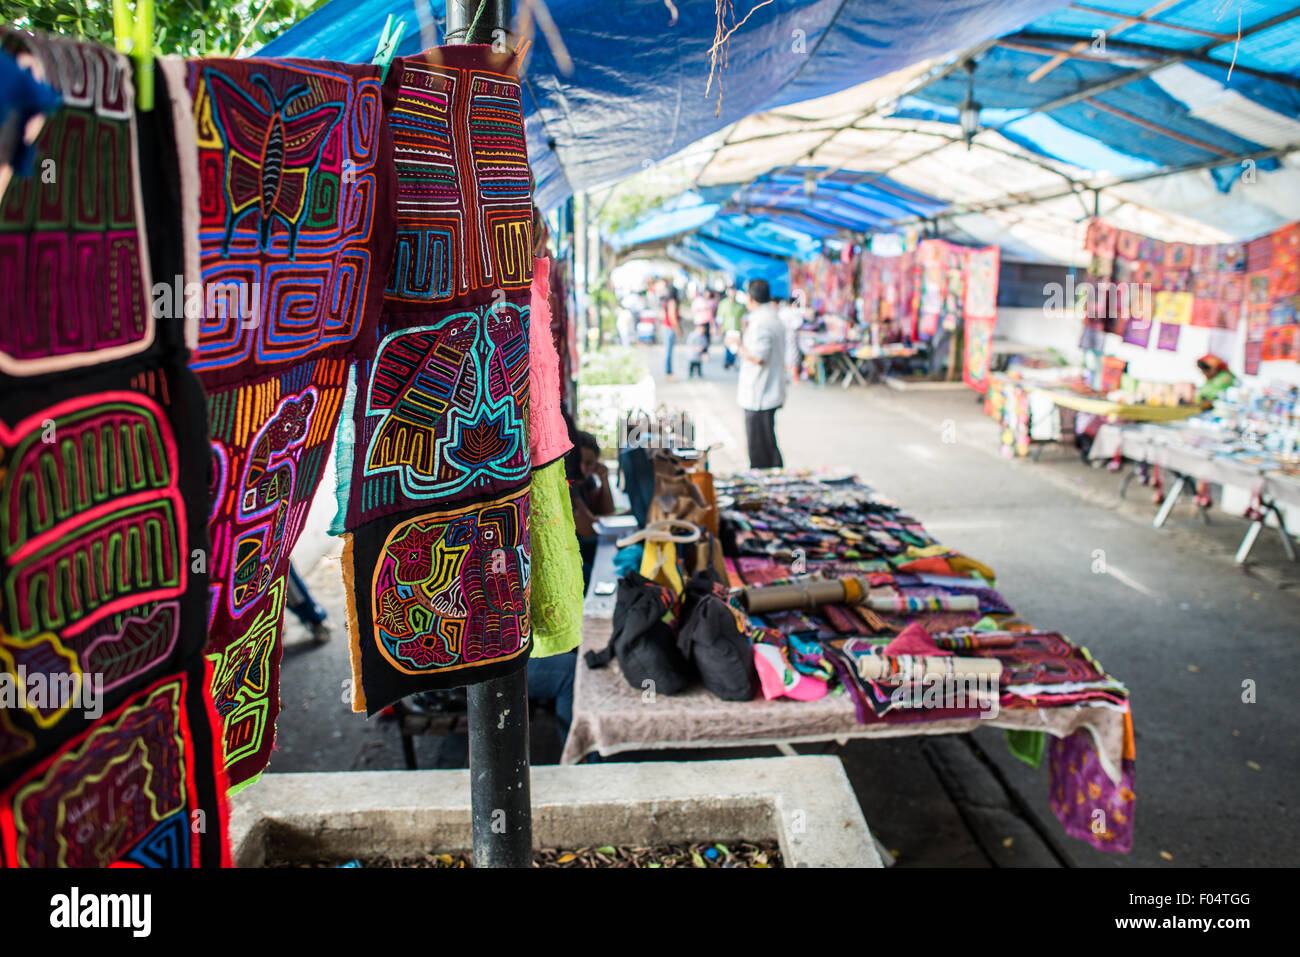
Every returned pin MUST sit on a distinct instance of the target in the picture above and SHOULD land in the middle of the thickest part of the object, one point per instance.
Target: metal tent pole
(500, 802)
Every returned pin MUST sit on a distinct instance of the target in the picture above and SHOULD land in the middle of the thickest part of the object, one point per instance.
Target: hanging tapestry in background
(294, 221)
(981, 315)
(435, 487)
(978, 353)
(1167, 337)
(1213, 286)
(563, 335)
(108, 740)
(934, 283)
(982, 282)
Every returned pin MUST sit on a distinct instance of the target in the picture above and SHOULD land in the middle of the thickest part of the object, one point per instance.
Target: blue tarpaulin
(637, 90)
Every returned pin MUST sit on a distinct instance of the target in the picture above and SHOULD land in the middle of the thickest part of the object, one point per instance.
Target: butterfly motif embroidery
(271, 156)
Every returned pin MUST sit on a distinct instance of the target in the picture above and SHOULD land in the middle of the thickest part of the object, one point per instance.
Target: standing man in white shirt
(762, 384)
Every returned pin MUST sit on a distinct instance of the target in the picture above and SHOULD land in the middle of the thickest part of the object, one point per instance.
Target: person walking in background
(672, 323)
(761, 387)
(698, 344)
(704, 310)
(730, 313)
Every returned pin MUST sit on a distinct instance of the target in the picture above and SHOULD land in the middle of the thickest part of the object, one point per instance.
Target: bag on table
(682, 491)
(661, 561)
(642, 641)
(713, 637)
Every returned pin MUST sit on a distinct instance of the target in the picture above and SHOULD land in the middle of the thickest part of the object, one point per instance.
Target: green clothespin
(388, 46)
(136, 38)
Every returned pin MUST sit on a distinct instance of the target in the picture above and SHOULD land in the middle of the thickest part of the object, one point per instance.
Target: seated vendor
(1217, 379)
(592, 497)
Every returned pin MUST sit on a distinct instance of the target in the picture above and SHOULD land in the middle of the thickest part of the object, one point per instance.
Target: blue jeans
(551, 679)
(670, 340)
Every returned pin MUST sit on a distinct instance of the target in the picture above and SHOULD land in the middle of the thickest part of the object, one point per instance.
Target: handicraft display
(296, 189)
(1222, 286)
(109, 746)
(434, 487)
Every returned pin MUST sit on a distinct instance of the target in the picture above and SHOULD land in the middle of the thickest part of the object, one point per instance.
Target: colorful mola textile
(74, 263)
(108, 750)
(436, 506)
(294, 219)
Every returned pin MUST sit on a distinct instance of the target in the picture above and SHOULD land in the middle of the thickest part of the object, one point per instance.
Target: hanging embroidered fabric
(109, 746)
(295, 189)
(435, 488)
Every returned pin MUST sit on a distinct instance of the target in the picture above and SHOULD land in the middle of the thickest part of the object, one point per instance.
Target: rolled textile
(905, 668)
(914, 603)
(808, 594)
(974, 640)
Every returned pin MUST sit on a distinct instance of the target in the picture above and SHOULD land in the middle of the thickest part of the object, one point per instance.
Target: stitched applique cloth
(294, 220)
(434, 488)
(108, 750)
(74, 262)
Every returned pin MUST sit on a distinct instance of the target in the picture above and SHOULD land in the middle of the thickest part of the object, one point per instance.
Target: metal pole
(461, 13)
(500, 801)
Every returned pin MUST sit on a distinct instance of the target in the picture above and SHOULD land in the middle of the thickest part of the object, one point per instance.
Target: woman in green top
(1217, 379)
(730, 313)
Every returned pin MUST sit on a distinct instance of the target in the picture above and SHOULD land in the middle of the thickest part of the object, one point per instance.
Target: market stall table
(833, 362)
(1167, 448)
(610, 716)
(1133, 412)
(901, 586)
(872, 363)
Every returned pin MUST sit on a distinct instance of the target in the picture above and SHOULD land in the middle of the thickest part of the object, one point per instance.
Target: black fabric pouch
(642, 641)
(713, 639)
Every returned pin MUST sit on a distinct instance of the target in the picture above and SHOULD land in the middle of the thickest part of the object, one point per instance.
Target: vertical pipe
(500, 800)
(585, 327)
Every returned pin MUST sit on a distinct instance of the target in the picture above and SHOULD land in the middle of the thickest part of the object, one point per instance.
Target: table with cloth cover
(612, 717)
(1168, 448)
(1133, 412)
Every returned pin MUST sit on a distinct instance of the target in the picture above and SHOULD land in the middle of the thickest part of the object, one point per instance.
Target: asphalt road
(1165, 610)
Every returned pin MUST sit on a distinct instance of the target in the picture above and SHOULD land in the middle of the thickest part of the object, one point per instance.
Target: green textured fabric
(1027, 746)
(556, 599)
(986, 624)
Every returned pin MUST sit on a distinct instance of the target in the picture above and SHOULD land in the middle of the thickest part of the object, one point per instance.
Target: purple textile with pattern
(1088, 804)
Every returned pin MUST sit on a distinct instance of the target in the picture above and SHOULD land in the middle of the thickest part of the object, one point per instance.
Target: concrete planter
(805, 803)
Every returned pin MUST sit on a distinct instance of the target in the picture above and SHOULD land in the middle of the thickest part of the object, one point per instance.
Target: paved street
(1165, 610)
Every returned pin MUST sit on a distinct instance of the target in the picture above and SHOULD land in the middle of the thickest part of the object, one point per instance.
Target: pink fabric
(914, 640)
(548, 439)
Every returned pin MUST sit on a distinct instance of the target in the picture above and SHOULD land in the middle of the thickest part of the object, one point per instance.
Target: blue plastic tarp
(637, 92)
(1121, 126)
